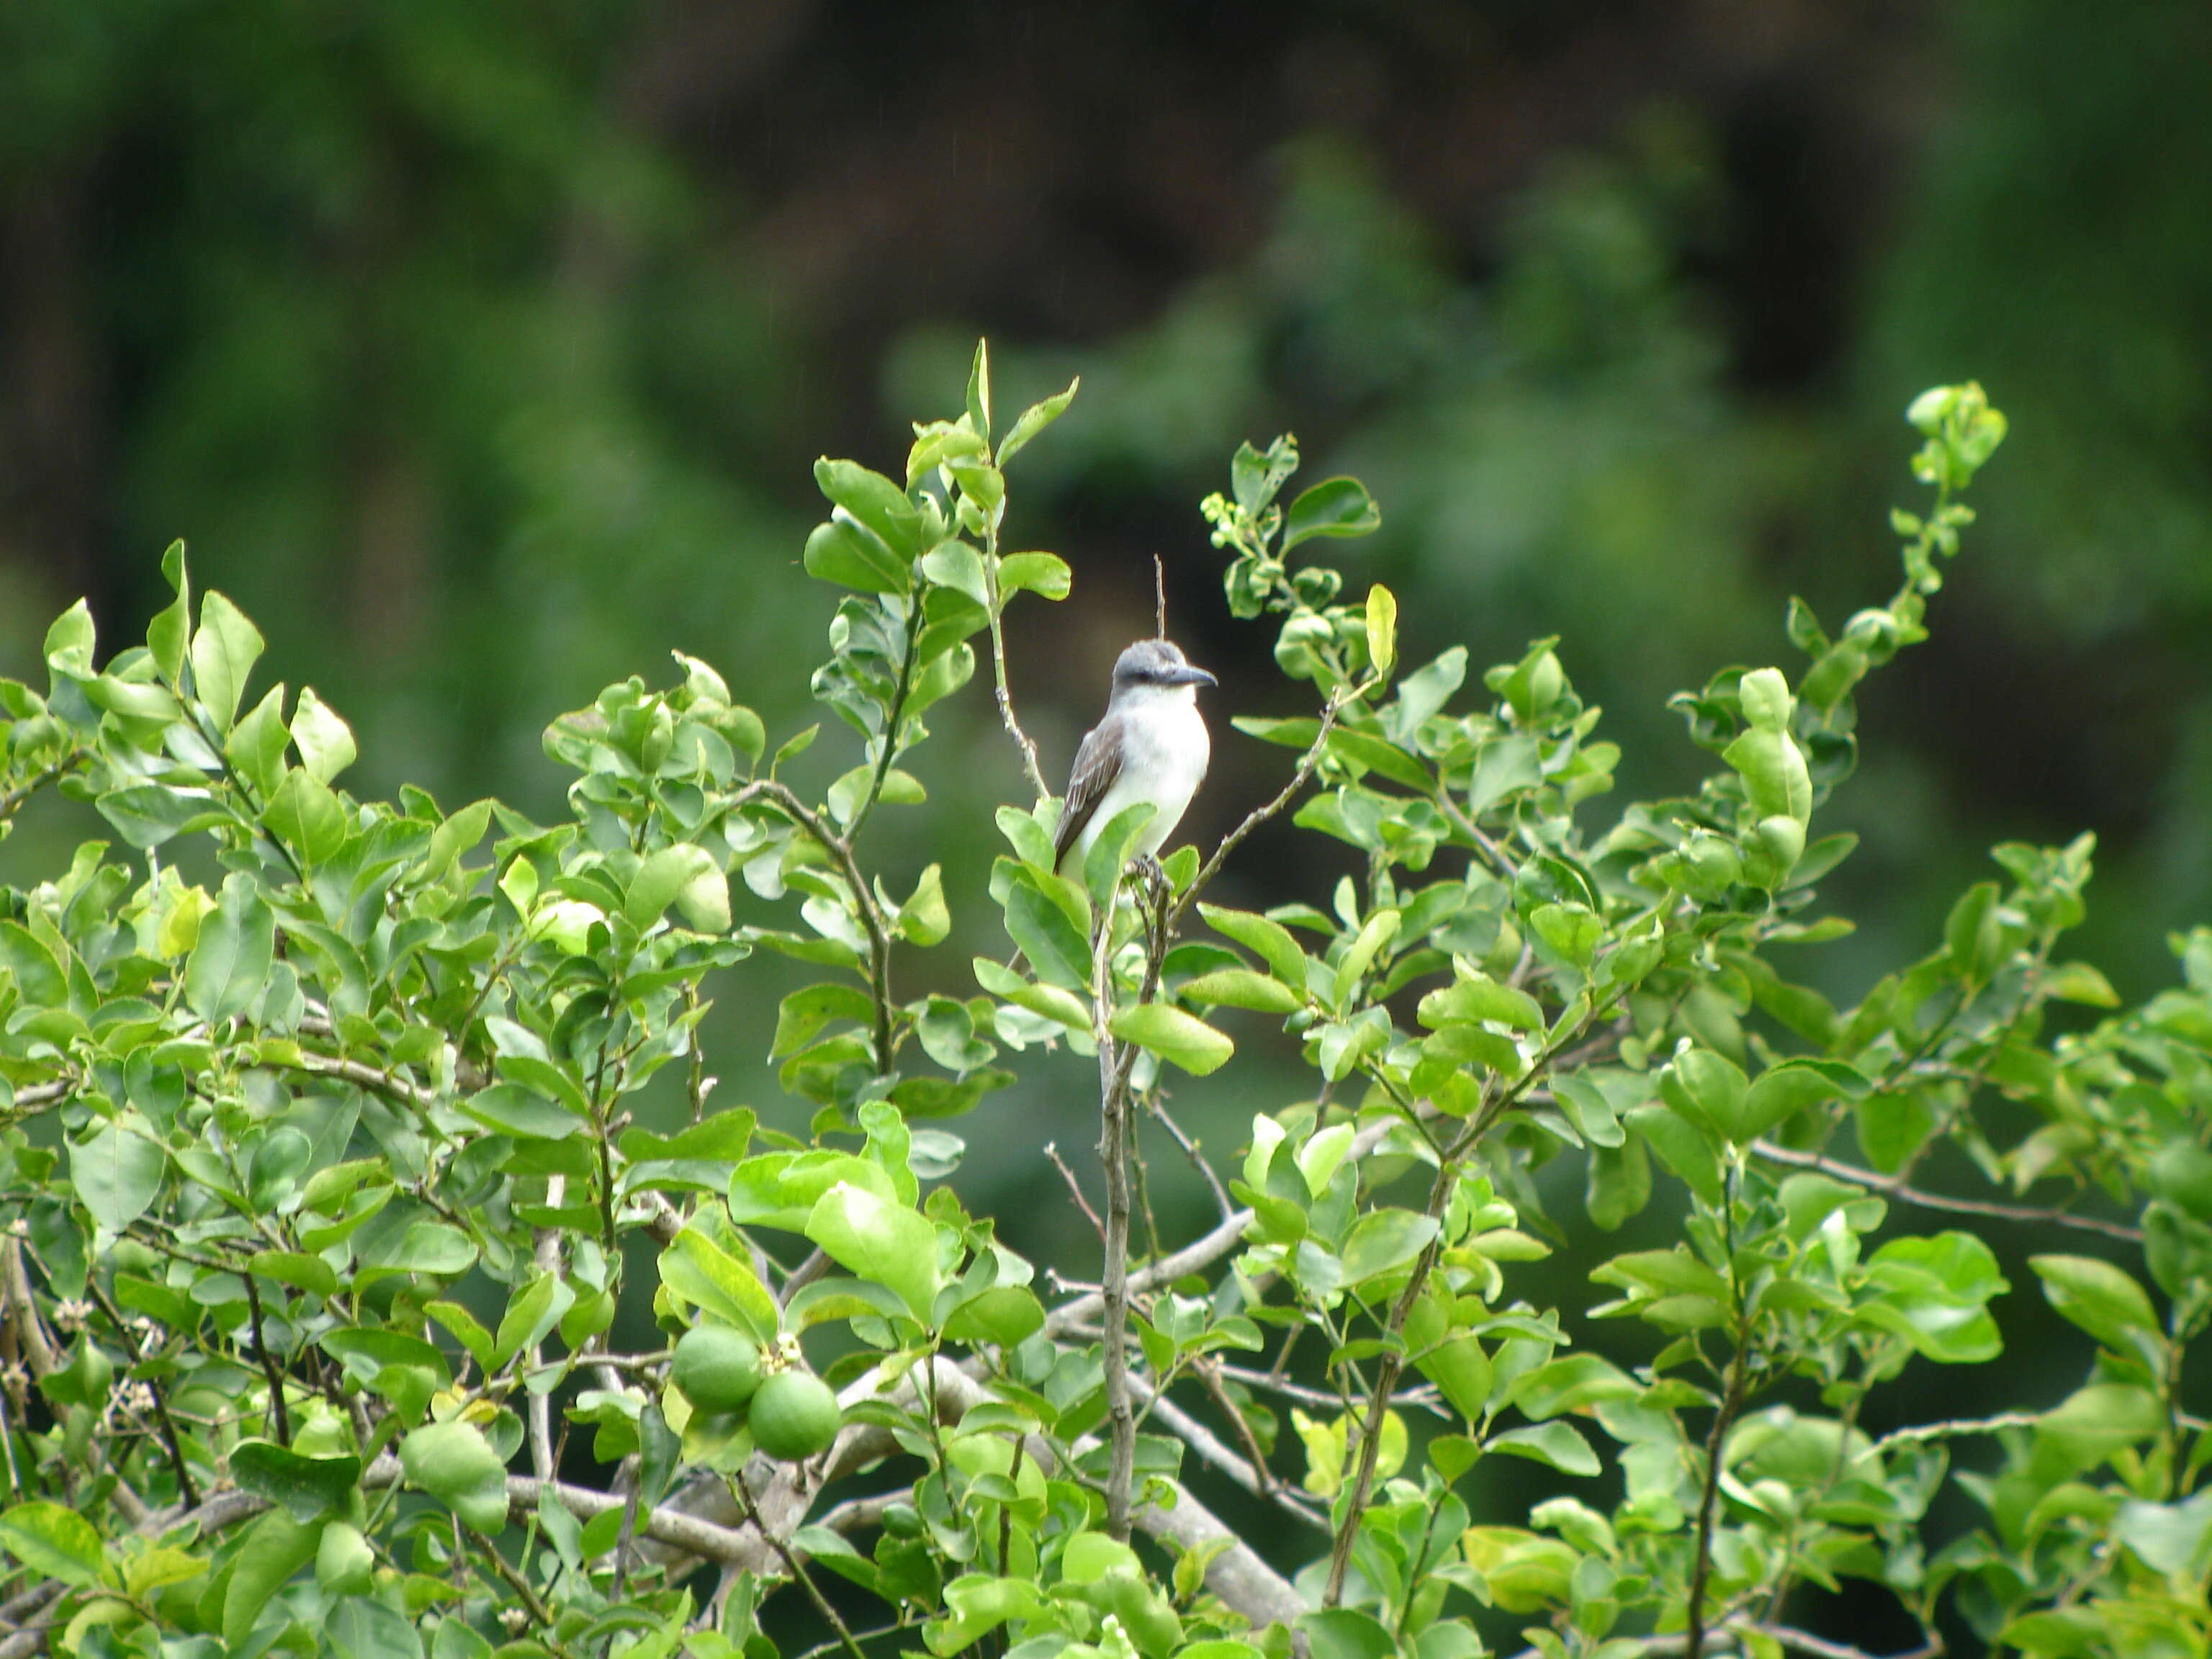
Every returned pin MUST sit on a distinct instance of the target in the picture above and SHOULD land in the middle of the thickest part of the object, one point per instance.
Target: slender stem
(277, 1406)
(1260, 815)
(13, 799)
(167, 1424)
(1023, 741)
(797, 1572)
(864, 900)
(898, 713)
(1702, 1565)
(1386, 1380)
(1114, 1154)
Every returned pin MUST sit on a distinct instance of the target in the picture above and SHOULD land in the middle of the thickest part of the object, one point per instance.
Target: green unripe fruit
(344, 1563)
(717, 1369)
(2182, 1174)
(794, 1415)
(455, 1465)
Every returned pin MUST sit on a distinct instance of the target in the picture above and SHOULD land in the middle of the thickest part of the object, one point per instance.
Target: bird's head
(1156, 668)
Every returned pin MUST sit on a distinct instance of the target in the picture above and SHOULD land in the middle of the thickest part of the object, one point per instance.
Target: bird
(1151, 746)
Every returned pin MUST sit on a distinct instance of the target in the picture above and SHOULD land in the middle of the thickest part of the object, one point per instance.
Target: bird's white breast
(1164, 753)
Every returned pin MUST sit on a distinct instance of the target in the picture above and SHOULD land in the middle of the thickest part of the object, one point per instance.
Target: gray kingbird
(1151, 746)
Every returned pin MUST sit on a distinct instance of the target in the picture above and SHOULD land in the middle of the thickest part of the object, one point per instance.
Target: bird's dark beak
(1189, 676)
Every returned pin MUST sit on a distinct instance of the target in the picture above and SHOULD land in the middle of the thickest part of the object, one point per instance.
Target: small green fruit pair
(791, 1412)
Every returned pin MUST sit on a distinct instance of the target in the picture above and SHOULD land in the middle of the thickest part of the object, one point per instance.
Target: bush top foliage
(340, 1278)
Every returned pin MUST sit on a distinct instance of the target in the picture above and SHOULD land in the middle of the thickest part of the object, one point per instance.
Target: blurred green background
(481, 348)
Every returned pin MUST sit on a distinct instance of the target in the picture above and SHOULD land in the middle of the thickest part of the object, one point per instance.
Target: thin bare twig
(1075, 1190)
(1190, 1151)
(1897, 1188)
(1250, 1476)
(791, 1564)
(1023, 741)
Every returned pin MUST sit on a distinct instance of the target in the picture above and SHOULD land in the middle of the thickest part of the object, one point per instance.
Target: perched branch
(1114, 1285)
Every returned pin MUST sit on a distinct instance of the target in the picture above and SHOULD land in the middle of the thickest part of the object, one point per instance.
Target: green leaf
(880, 1240)
(2170, 1538)
(1005, 1316)
(2092, 1424)
(780, 1189)
(1781, 1092)
(1974, 934)
(1682, 1145)
(306, 817)
(256, 744)
(325, 742)
(1476, 997)
(1035, 419)
(846, 553)
(1379, 929)
(805, 1013)
(1709, 1088)
(230, 961)
(1043, 573)
(2102, 1299)
(955, 565)
(1047, 934)
(1270, 941)
(529, 1315)
(309, 1487)
(455, 1464)
(148, 814)
(978, 389)
(664, 875)
(224, 651)
(1334, 506)
(1382, 629)
(296, 1269)
(513, 1109)
(874, 502)
(2077, 982)
(1556, 1445)
(707, 1276)
(1382, 1240)
(53, 1542)
(275, 1548)
(118, 1171)
(1190, 1043)
(1347, 1633)
(168, 635)
(1240, 988)
(923, 919)
(1585, 1105)
(1774, 773)
(39, 976)
(1574, 1382)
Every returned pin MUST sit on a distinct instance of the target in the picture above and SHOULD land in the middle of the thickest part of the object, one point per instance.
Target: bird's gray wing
(1097, 764)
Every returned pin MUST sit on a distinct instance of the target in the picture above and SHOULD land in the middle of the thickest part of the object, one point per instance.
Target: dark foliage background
(481, 351)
